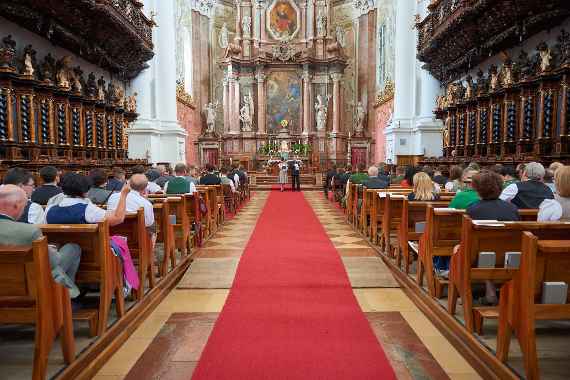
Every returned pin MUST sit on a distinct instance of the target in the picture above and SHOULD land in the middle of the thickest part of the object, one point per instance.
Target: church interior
(284, 189)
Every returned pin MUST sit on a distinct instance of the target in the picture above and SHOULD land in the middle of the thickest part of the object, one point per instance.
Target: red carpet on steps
(291, 313)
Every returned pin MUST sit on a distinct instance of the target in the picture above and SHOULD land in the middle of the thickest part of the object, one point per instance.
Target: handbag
(202, 205)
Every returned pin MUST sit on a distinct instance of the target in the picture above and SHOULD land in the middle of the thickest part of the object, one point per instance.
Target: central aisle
(291, 312)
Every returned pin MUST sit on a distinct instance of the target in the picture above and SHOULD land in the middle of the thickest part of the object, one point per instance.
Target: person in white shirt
(135, 200)
(33, 213)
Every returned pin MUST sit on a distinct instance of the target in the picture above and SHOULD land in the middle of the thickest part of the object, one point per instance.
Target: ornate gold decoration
(385, 95)
(183, 97)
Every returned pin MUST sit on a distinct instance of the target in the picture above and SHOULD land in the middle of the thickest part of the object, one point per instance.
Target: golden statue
(445, 131)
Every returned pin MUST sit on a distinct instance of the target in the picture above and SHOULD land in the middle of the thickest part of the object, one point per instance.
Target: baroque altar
(282, 84)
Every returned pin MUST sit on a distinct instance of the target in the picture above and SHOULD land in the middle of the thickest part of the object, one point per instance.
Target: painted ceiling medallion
(283, 19)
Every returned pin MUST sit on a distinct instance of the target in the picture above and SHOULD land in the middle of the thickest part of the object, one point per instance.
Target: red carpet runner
(291, 313)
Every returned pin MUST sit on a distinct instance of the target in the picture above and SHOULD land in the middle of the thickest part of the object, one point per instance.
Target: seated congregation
(487, 250)
(81, 254)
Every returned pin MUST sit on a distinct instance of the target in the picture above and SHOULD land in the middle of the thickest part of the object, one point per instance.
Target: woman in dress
(282, 174)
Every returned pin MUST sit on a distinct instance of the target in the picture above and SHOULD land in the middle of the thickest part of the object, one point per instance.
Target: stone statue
(545, 56)
(223, 37)
(246, 113)
(360, 118)
(101, 89)
(340, 36)
(48, 69)
(91, 87)
(246, 25)
(29, 61)
(131, 103)
(7, 53)
(524, 64)
(469, 87)
(210, 112)
(507, 74)
(284, 147)
(321, 23)
(76, 80)
(63, 74)
(322, 109)
(445, 131)
(494, 75)
(120, 91)
(113, 93)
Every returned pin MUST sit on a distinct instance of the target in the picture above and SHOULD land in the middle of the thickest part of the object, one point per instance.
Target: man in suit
(119, 177)
(64, 263)
(295, 173)
(210, 178)
(50, 178)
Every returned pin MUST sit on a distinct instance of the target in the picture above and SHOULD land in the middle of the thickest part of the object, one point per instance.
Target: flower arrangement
(284, 123)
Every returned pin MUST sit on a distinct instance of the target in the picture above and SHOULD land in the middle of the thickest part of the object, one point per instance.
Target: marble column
(234, 106)
(261, 104)
(307, 106)
(157, 134)
(336, 77)
(261, 4)
(302, 31)
(428, 140)
(405, 62)
(226, 105)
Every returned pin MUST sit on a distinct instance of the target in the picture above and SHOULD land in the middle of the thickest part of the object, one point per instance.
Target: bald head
(138, 182)
(13, 200)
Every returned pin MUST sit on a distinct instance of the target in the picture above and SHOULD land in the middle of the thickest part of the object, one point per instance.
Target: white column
(336, 101)
(261, 103)
(405, 62)
(427, 130)
(226, 105)
(307, 106)
(399, 134)
(156, 134)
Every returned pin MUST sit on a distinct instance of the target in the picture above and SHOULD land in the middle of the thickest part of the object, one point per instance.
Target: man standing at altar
(295, 172)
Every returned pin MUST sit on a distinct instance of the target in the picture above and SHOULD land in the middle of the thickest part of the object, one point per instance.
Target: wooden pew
(140, 244)
(391, 220)
(29, 295)
(500, 237)
(98, 264)
(412, 212)
(377, 215)
(442, 233)
(541, 261)
(229, 198)
(194, 218)
(177, 206)
(207, 218)
(349, 201)
(164, 233)
(368, 196)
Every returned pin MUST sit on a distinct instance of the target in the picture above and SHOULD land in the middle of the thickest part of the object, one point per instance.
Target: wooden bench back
(499, 237)
(25, 279)
(97, 260)
(415, 212)
(134, 229)
(521, 305)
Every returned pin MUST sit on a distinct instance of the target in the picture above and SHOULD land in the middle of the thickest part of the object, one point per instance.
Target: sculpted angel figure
(223, 38)
(445, 131)
(246, 113)
(322, 109)
(63, 72)
(545, 57)
(360, 118)
(210, 112)
(29, 60)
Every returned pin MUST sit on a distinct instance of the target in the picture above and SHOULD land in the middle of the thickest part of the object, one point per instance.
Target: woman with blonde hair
(424, 188)
(559, 207)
